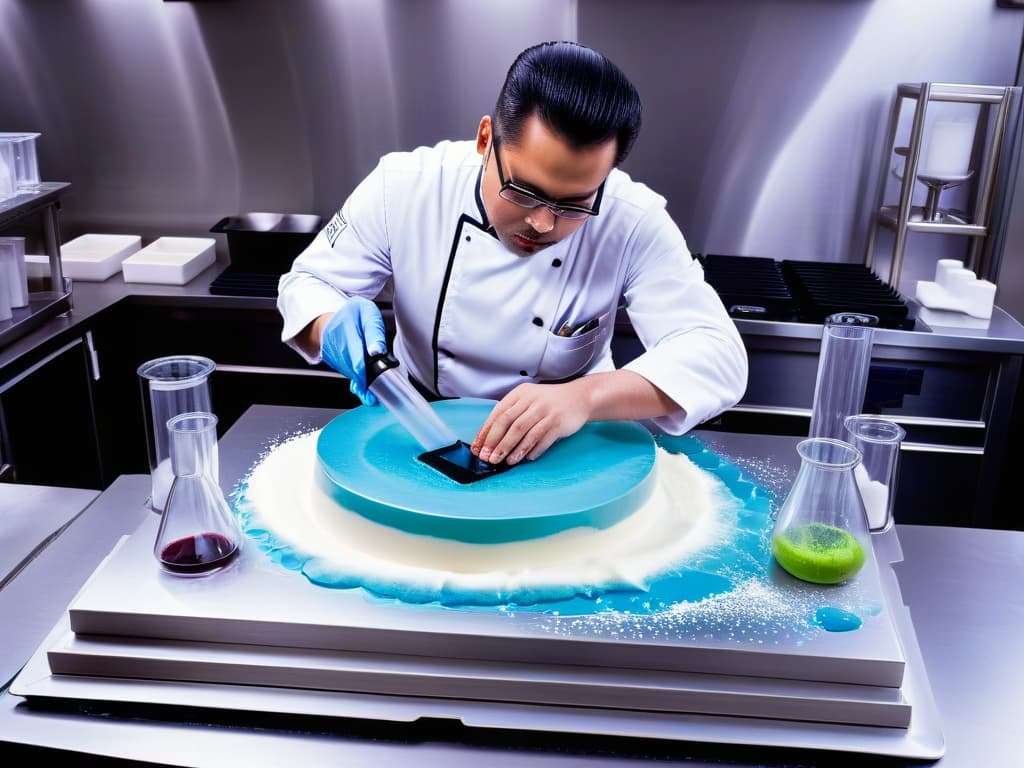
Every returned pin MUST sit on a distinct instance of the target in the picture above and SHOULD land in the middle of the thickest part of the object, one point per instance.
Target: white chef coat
(474, 319)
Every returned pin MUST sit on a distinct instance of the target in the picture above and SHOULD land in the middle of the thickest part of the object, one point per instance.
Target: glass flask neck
(828, 453)
(193, 443)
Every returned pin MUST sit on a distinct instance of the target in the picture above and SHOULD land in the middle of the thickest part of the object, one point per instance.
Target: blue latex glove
(355, 330)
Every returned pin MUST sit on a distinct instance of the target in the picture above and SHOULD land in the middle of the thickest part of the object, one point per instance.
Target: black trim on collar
(484, 224)
(463, 219)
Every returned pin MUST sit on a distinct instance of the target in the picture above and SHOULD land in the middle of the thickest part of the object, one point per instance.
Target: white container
(8, 174)
(95, 257)
(26, 163)
(13, 280)
(6, 312)
(170, 260)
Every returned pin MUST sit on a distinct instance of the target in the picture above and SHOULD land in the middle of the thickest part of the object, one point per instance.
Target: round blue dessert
(369, 464)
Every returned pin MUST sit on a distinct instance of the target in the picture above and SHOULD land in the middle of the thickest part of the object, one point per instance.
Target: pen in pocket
(578, 330)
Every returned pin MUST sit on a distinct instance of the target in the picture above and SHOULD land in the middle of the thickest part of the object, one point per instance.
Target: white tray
(95, 257)
(170, 260)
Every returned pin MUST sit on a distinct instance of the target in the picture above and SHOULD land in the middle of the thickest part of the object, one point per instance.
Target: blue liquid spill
(698, 593)
(833, 619)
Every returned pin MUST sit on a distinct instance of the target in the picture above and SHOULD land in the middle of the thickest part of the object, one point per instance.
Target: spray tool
(442, 449)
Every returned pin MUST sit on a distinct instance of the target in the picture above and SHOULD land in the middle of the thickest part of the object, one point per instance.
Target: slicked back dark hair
(577, 92)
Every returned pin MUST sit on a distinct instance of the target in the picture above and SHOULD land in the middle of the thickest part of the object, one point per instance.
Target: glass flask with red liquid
(198, 533)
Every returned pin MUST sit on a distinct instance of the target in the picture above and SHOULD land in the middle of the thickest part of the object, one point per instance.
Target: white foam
(681, 517)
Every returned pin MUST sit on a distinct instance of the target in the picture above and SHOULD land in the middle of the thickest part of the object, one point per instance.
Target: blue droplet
(833, 619)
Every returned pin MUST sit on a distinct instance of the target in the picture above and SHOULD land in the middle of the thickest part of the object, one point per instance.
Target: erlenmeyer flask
(821, 533)
(198, 533)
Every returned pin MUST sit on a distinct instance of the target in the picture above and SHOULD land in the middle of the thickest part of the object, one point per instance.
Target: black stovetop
(760, 288)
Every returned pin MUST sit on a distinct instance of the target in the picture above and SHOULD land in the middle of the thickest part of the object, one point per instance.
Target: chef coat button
(523, 373)
(556, 263)
(538, 321)
(469, 239)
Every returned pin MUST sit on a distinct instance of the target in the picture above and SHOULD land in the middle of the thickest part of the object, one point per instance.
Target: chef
(506, 259)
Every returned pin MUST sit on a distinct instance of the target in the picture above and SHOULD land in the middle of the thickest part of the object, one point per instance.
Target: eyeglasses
(526, 198)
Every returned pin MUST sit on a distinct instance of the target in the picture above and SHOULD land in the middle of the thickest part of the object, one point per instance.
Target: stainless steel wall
(763, 118)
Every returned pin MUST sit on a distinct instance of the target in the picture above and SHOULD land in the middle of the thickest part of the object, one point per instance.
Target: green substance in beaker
(819, 553)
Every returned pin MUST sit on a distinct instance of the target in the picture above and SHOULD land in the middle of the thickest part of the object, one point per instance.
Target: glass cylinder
(198, 533)
(172, 386)
(13, 275)
(879, 442)
(821, 532)
(843, 366)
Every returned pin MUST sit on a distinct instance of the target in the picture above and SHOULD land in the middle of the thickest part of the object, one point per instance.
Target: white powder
(163, 478)
(875, 495)
(681, 517)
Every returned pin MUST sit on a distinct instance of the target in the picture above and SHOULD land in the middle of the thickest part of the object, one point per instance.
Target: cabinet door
(48, 424)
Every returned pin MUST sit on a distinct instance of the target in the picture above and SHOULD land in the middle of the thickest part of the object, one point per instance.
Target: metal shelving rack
(996, 117)
(44, 198)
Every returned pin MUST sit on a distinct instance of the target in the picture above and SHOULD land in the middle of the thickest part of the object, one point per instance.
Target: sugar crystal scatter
(725, 589)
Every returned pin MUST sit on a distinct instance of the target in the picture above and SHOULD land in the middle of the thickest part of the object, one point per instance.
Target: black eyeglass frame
(533, 200)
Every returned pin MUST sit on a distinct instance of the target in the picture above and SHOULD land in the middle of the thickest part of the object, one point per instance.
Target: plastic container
(170, 260)
(8, 174)
(267, 243)
(25, 161)
(879, 442)
(13, 276)
(97, 257)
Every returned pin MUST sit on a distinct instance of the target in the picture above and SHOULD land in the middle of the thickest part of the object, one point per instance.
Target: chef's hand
(353, 332)
(528, 420)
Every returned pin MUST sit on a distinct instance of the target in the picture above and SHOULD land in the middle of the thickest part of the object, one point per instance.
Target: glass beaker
(821, 532)
(173, 385)
(198, 533)
(879, 441)
(843, 366)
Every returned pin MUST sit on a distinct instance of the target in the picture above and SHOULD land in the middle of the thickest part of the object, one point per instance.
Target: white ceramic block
(956, 289)
(170, 260)
(95, 257)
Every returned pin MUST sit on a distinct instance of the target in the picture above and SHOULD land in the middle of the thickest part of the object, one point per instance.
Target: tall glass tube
(171, 386)
(843, 366)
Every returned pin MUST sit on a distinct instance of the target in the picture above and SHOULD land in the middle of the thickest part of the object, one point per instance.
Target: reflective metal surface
(764, 121)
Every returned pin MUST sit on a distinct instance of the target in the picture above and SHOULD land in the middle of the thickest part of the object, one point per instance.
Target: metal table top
(961, 586)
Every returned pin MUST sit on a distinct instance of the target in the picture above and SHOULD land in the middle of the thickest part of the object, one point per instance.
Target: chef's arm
(345, 338)
(308, 339)
(530, 418)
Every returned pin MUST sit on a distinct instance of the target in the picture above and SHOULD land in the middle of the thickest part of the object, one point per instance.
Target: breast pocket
(568, 356)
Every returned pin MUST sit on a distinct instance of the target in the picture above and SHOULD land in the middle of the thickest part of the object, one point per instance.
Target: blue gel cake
(368, 463)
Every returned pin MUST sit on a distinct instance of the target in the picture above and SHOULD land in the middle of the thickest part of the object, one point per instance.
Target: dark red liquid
(199, 553)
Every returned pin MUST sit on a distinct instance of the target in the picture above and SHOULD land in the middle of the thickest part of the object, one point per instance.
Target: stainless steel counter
(1005, 335)
(961, 586)
(953, 390)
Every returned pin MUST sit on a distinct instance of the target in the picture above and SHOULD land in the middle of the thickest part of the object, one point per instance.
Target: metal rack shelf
(45, 199)
(995, 133)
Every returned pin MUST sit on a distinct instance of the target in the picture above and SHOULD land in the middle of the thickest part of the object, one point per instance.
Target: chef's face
(552, 170)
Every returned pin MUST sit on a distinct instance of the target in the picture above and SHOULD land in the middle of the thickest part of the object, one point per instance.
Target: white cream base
(681, 517)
